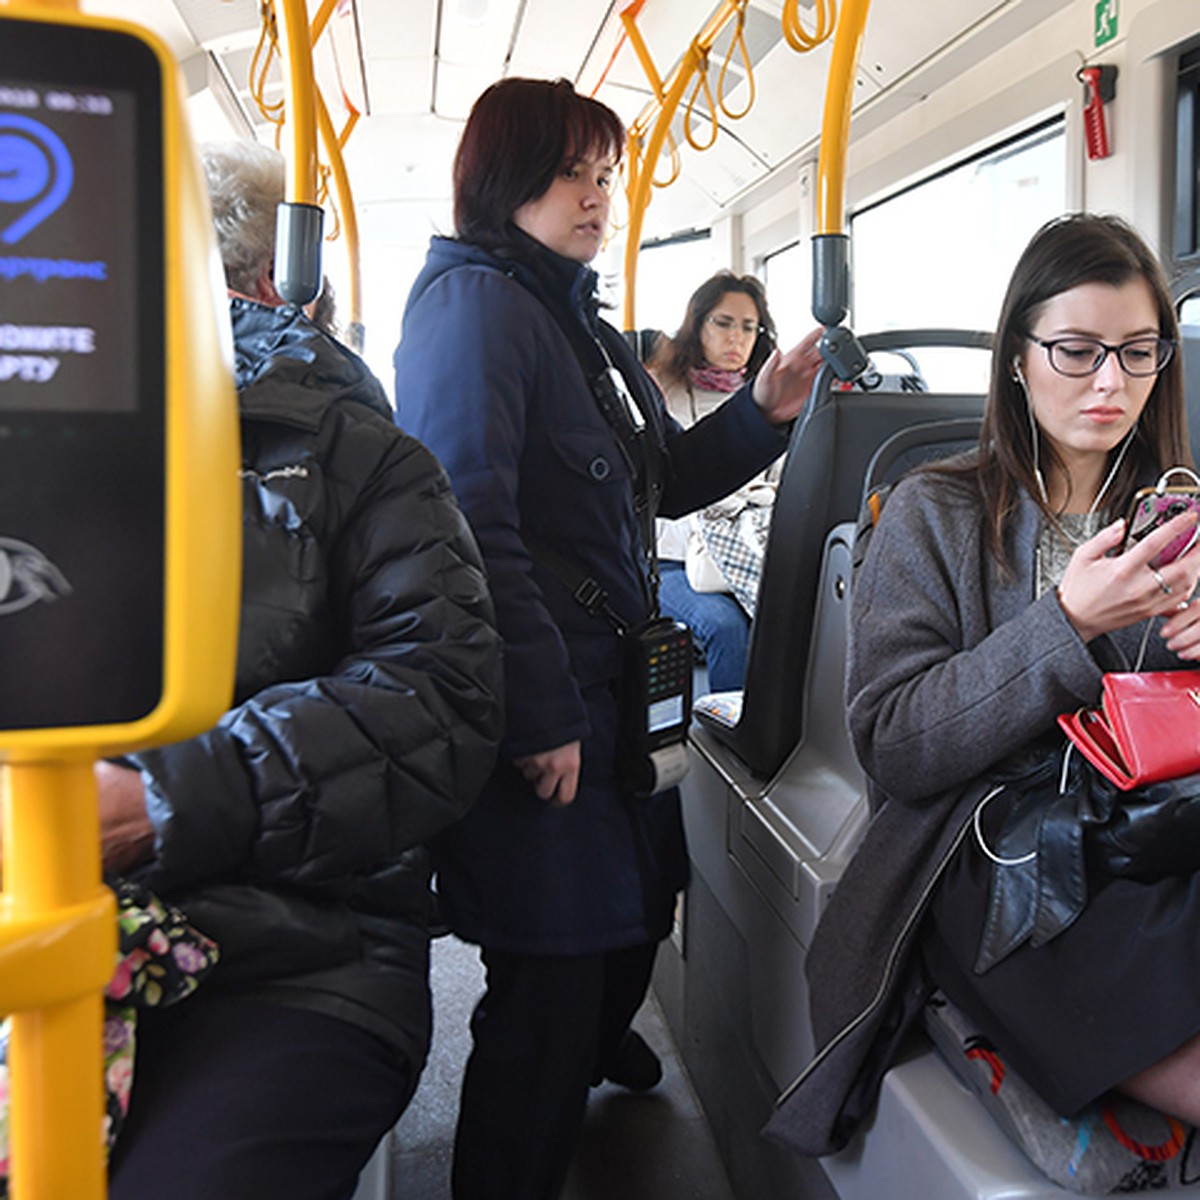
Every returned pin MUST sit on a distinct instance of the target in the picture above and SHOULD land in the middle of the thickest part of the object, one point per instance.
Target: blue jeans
(717, 621)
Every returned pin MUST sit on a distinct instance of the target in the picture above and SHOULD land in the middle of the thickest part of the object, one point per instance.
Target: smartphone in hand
(1154, 507)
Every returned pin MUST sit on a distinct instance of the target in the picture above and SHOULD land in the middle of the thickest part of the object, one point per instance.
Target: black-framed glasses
(726, 324)
(1080, 356)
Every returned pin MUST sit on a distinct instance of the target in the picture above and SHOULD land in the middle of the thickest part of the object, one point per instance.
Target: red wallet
(1147, 727)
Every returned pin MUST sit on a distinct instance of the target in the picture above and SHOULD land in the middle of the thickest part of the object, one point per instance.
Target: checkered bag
(738, 544)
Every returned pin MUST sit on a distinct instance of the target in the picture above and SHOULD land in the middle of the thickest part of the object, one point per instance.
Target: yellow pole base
(52, 883)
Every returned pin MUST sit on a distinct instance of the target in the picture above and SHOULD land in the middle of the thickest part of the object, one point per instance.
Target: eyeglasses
(728, 325)
(1080, 356)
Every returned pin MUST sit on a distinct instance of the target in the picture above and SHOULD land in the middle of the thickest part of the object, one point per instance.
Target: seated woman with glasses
(996, 592)
(726, 336)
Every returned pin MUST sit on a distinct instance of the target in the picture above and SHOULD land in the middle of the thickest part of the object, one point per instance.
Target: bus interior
(972, 122)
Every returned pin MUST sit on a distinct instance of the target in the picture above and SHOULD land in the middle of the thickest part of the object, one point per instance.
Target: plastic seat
(820, 488)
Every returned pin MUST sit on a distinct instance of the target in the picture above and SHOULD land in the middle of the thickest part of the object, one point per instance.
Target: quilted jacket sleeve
(311, 781)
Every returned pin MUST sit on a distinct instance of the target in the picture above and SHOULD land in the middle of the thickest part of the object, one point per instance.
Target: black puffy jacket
(367, 708)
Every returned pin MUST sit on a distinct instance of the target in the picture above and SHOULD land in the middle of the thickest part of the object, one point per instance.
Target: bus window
(669, 271)
(940, 253)
(788, 277)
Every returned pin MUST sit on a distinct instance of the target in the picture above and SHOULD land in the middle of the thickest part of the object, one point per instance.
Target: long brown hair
(519, 135)
(1066, 253)
(673, 360)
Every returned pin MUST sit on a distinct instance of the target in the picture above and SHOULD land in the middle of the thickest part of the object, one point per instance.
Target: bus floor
(633, 1147)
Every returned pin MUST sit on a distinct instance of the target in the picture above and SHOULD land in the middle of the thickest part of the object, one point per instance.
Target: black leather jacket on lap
(367, 709)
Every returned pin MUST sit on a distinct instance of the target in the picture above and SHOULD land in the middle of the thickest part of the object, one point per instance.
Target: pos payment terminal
(100, 368)
(120, 523)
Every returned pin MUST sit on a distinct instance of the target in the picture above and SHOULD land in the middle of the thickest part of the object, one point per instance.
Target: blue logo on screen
(35, 172)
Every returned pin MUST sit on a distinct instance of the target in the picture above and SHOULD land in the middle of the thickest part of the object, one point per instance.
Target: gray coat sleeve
(951, 665)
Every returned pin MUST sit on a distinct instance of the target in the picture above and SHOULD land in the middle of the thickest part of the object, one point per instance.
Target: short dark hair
(517, 138)
(685, 350)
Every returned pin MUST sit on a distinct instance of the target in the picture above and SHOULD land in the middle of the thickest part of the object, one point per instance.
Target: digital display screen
(68, 248)
(664, 714)
(82, 375)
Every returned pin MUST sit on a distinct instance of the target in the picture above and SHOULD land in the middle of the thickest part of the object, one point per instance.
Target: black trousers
(543, 1030)
(244, 1099)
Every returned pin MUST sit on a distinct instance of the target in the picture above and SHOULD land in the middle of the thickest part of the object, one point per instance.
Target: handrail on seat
(820, 487)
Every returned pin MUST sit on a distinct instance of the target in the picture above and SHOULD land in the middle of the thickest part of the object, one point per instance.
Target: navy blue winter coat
(486, 378)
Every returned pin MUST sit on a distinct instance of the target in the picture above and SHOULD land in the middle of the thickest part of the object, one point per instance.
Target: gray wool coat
(953, 667)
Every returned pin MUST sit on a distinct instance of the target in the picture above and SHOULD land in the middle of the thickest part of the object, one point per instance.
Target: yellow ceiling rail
(321, 20)
(349, 218)
(652, 129)
(644, 148)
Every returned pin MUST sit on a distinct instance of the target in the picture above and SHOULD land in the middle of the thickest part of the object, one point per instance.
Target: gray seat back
(821, 486)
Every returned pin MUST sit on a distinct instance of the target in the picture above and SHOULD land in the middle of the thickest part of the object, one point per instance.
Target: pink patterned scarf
(714, 379)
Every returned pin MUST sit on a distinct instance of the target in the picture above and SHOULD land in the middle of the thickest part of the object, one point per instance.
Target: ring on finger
(1163, 585)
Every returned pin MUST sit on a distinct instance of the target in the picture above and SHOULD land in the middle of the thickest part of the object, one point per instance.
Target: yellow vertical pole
(51, 866)
(301, 105)
(349, 216)
(835, 122)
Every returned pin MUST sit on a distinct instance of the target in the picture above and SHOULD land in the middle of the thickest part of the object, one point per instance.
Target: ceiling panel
(215, 24)
(160, 18)
(400, 85)
(399, 156)
(397, 28)
(555, 37)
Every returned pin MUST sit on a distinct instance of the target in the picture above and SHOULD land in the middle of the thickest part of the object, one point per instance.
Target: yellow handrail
(53, 894)
(301, 87)
(835, 123)
(660, 112)
(648, 134)
(303, 165)
(349, 217)
(793, 30)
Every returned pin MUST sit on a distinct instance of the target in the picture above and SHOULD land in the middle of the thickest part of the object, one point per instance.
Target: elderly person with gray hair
(365, 719)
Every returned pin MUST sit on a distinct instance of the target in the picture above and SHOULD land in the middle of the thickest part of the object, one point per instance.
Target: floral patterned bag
(160, 960)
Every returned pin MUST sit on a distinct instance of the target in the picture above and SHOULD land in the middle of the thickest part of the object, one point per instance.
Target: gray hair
(245, 187)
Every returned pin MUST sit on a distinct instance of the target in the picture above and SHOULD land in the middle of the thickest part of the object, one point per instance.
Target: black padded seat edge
(820, 487)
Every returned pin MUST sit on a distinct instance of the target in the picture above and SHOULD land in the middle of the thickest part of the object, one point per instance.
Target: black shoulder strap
(586, 590)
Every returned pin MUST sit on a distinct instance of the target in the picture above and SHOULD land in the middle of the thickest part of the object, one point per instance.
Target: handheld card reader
(656, 705)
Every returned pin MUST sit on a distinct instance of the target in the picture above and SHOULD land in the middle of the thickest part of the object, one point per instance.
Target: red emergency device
(1101, 86)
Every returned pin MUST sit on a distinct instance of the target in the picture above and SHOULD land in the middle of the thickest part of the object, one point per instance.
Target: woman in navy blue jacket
(566, 880)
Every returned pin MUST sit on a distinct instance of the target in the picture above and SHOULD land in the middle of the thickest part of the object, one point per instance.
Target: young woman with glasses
(726, 335)
(996, 592)
(564, 878)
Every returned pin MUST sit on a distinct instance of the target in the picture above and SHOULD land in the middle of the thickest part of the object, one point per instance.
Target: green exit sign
(1106, 21)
